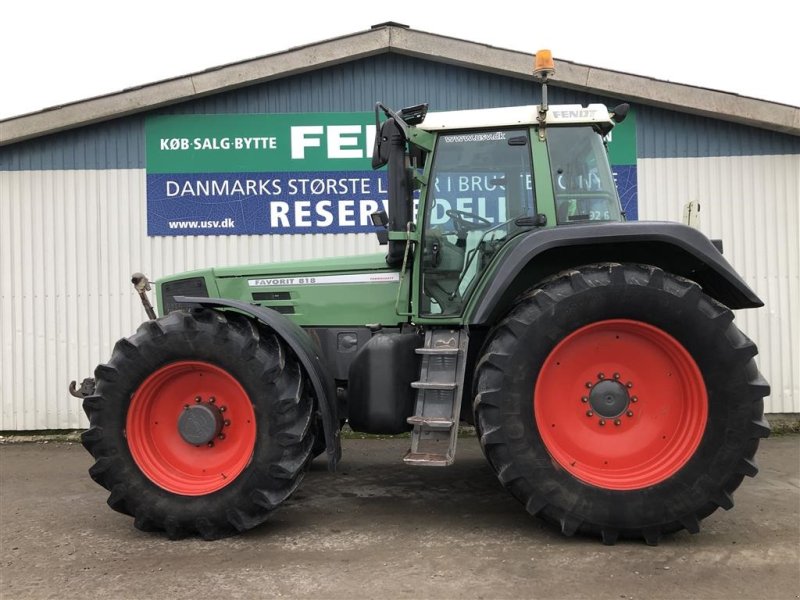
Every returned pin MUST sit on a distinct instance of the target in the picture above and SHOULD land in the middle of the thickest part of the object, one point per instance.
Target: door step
(432, 385)
(431, 422)
(422, 459)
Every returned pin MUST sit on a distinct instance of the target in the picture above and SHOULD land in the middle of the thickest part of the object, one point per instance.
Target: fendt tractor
(596, 358)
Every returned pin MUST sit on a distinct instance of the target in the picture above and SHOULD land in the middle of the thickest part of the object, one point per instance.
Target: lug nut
(185, 407)
(629, 413)
(629, 384)
(227, 422)
(210, 444)
(588, 384)
(634, 399)
(617, 422)
(223, 408)
(601, 376)
(584, 399)
(589, 413)
(212, 399)
(221, 436)
(602, 422)
(617, 375)
(198, 399)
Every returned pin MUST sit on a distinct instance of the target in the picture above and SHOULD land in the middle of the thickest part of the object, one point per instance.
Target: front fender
(308, 355)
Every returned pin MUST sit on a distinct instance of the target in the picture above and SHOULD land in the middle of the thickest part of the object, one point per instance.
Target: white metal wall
(69, 241)
(752, 203)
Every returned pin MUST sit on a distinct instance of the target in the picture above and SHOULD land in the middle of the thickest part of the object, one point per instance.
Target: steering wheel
(465, 222)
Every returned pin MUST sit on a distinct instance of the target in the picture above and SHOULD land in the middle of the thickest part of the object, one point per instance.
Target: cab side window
(582, 181)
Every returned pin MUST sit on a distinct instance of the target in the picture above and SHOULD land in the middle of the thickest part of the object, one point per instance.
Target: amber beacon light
(543, 68)
(543, 65)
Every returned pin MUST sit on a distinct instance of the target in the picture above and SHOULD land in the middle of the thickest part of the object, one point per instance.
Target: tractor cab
(488, 185)
(486, 176)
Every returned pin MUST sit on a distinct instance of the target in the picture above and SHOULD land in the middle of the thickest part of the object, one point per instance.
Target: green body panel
(341, 291)
(489, 274)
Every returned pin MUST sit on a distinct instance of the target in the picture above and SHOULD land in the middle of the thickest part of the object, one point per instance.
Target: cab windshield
(480, 184)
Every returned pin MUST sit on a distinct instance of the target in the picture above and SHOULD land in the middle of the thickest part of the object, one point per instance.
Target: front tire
(620, 400)
(201, 424)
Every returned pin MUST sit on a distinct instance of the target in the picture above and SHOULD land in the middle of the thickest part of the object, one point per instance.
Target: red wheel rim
(636, 370)
(156, 444)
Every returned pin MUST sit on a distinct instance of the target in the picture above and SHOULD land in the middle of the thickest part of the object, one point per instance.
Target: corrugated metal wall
(68, 248)
(68, 244)
(72, 220)
(751, 203)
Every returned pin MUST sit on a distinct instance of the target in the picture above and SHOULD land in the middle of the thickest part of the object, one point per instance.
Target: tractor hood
(341, 291)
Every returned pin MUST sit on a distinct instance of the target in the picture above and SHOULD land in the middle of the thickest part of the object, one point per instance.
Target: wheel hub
(609, 399)
(200, 424)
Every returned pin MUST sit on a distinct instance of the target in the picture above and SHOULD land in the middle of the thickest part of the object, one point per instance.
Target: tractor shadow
(372, 490)
(373, 484)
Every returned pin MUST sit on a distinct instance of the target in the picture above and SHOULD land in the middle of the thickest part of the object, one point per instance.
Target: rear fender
(672, 247)
(308, 355)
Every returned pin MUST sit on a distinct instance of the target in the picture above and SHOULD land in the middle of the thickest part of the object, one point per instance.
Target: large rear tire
(620, 400)
(201, 424)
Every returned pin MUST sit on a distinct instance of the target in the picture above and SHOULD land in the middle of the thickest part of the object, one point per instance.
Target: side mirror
(619, 112)
(380, 151)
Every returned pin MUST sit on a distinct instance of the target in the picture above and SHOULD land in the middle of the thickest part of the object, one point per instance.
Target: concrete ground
(379, 529)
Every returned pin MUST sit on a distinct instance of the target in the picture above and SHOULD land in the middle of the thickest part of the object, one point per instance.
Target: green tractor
(596, 358)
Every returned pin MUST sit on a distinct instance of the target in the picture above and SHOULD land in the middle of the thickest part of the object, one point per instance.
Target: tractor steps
(438, 399)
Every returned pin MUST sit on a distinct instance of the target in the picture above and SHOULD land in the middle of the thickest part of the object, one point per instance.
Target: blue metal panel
(117, 144)
(396, 81)
(669, 134)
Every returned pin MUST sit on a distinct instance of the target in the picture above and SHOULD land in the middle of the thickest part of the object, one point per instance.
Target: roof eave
(664, 94)
(428, 46)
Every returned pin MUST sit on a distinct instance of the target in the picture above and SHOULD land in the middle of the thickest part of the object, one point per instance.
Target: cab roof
(557, 114)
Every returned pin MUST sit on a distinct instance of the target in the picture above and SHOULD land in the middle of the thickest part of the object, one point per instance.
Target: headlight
(195, 286)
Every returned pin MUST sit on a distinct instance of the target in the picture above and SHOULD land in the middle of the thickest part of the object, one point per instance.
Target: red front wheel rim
(162, 452)
(620, 404)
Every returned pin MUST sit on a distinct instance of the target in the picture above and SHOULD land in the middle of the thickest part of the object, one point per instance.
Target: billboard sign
(253, 174)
